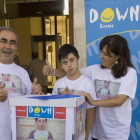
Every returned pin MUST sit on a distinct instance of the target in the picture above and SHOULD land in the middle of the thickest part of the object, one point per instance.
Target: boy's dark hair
(38, 118)
(65, 50)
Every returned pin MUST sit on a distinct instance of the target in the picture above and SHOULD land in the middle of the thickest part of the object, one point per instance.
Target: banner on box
(39, 129)
(41, 112)
(115, 17)
(80, 123)
(80, 107)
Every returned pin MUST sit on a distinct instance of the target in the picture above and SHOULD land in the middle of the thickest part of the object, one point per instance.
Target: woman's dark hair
(65, 50)
(117, 45)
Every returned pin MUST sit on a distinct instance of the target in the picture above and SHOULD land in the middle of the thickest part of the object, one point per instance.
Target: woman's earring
(116, 62)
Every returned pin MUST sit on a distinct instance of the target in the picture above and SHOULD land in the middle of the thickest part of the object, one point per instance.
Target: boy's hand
(47, 69)
(3, 93)
(66, 91)
(88, 97)
(36, 88)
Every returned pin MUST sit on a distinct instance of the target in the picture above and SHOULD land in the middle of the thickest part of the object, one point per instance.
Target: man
(9, 42)
(35, 70)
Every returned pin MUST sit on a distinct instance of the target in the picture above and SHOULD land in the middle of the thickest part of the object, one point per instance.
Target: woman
(113, 115)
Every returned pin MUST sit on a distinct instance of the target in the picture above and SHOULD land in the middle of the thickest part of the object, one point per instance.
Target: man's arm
(90, 115)
(49, 71)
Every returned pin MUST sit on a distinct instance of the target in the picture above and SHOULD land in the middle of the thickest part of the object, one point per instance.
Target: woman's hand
(88, 97)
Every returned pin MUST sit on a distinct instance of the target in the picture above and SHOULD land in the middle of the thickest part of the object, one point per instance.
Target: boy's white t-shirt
(20, 78)
(112, 123)
(82, 84)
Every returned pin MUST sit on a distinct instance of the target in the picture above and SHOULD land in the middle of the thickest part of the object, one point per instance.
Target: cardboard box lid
(65, 102)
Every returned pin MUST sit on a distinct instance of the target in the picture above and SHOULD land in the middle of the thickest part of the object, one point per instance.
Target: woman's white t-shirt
(112, 123)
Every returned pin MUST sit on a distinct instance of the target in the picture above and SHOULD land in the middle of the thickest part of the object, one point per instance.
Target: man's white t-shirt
(22, 82)
(82, 84)
(112, 123)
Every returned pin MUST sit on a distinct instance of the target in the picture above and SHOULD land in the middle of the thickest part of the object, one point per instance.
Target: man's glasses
(5, 42)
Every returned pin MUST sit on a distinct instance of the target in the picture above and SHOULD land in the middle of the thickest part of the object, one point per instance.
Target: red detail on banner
(59, 112)
(76, 109)
(21, 111)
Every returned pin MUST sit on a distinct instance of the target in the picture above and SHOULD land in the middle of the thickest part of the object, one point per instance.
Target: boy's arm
(90, 115)
(49, 71)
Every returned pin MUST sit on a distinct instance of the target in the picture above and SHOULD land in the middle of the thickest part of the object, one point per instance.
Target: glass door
(52, 44)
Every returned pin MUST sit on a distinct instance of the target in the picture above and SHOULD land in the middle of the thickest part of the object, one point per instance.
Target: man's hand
(3, 93)
(47, 69)
(36, 88)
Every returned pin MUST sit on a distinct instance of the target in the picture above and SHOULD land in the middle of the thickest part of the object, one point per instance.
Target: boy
(74, 81)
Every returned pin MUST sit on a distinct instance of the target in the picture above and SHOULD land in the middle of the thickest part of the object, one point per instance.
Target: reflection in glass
(1, 22)
(48, 26)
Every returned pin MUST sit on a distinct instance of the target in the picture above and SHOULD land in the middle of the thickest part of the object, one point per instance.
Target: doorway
(49, 46)
(49, 23)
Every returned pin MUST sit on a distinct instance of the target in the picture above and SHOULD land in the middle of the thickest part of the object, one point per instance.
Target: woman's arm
(59, 73)
(49, 71)
(112, 102)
